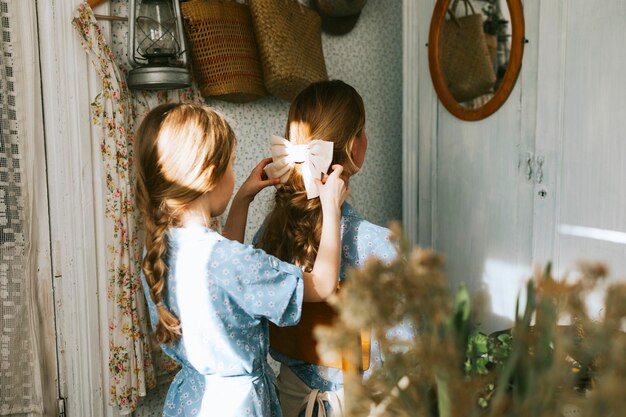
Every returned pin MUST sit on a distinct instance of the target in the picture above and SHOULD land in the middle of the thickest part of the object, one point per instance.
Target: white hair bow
(315, 156)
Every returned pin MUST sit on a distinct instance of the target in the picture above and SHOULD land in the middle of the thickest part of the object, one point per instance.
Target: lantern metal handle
(181, 34)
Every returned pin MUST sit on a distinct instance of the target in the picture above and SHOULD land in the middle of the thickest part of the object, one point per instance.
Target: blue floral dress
(224, 293)
(360, 239)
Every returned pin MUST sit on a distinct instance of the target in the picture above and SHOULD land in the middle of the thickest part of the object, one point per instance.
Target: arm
(321, 282)
(235, 226)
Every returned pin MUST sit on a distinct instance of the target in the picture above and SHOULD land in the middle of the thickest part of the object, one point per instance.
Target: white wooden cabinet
(543, 179)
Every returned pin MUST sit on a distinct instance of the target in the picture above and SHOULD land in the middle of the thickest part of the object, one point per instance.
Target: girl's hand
(256, 181)
(321, 283)
(333, 190)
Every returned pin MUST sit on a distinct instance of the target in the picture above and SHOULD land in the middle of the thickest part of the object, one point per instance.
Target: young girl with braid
(333, 112)
(210, 298)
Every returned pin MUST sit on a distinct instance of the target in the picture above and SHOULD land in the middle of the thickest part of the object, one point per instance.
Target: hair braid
(156, 223)
(154, 268)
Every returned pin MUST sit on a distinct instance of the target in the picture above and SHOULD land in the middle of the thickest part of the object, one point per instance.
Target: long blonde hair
(175, 146)
(328, 110)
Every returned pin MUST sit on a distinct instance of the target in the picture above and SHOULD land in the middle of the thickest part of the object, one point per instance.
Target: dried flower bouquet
(450, 369)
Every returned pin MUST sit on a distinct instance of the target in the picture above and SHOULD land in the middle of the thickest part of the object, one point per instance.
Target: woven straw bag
(290, 44)
(223, 49)
(465, 60)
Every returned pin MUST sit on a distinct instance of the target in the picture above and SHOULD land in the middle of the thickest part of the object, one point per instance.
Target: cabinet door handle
(539, 172)
(529, 166)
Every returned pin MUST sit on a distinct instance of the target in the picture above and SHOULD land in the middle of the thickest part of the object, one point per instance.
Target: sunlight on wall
(503, 283)
(612, 236)
(610, 253)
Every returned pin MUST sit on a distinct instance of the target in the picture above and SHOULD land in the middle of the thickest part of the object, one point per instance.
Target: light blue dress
(224, 293)
(360, 239)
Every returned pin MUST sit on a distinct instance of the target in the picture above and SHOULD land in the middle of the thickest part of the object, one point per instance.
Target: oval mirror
(475, 50)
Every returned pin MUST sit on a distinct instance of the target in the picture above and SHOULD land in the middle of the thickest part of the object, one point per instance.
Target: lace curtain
(135, 363)
(20, 375)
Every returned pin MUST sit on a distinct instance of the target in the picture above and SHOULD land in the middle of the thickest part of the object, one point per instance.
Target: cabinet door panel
(589, 219)
(483, 209)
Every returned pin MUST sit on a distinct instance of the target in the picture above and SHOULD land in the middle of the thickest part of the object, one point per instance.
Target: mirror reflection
(475, 49)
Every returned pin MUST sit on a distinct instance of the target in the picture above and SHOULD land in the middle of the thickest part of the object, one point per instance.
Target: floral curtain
(135, 362)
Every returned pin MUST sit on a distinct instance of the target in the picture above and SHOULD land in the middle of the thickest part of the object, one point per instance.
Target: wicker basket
(465, 60)
(223, 49)
(290, 44)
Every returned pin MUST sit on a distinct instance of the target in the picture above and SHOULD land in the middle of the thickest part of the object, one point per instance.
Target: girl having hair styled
(331, 111)
(327, 111)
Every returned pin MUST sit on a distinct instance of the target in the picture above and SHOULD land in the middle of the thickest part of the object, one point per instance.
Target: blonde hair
(328, 110)
(175, 146)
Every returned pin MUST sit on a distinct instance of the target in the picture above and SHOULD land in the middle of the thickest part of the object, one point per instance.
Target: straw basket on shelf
(223, 49)
(290, 45)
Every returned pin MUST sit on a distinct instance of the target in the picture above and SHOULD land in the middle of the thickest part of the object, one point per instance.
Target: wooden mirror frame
(510, 76)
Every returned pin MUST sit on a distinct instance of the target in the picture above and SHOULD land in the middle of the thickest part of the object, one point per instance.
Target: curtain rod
(96, 3)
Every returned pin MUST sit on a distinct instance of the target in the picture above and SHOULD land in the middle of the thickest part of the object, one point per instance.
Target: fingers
(259, 169)
(263, 163)
(263, 181)
(335, 176)
(259, 172)
(257, 180)
(270, 181)
(332, 186)
(337, 170)
(323, 183)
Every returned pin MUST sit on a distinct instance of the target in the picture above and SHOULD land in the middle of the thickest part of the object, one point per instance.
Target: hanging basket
(465, 59)
(290, 45)
(223, 49)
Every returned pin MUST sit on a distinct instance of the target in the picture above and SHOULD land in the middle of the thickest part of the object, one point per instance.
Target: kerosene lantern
(156, 46)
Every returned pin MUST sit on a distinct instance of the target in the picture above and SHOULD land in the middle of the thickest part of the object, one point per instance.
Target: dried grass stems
(449, 369)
